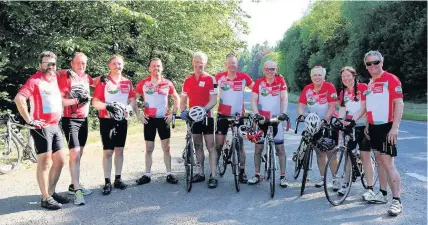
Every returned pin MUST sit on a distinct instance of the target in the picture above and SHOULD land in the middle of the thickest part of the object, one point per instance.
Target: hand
(366, 132)
(143, 119)
(168, 118)
(183, 115)
(38, 123)
(82, 100)
(110, 108)
(350, 122)
(392, 136)
(301, 118)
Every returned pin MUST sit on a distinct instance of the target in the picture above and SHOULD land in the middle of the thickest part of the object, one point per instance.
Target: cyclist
(74, 85)
(156, 117)
(270, 98)
(110, 96)
(384, 107)
(200, 89)
(44, 95)
(320, 97)
(351, 101)
(232, 85)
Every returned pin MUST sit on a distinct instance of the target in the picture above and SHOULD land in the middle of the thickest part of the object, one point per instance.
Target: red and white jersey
(45, 98)
(354, 107)
(380, 97)
(269, 100)
(318, 102)
(199, 90)
(155, 97)
(111, 91)
(232, 93)
(65, 84)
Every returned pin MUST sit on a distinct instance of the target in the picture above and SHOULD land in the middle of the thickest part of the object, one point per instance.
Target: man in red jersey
(200, 89)
(42, 91)
(74, 85)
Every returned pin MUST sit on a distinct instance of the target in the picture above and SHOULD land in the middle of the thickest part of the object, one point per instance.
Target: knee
(45, 164)
(166, 149)
(280, 152)
(75, 154)
(108, 154)
(198, 146)
(118, 151)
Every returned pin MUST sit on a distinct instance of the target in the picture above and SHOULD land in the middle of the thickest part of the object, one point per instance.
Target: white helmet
(243, 131)
(197, 113)
(313, 123)
(128, 112)
(118, 112)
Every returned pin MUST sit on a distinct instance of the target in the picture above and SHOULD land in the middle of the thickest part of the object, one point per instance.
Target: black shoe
(143, 180)
(198, 178)
(51, 204)
(243, 178)
(120, 184)
(212, 183)
(171, 179)
(60, 199)
(107, 189)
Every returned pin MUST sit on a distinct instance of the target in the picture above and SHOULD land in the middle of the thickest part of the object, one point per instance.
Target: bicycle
(352, 167)
(269, 150)
(15, 146)
(230, 153)
(303, 156)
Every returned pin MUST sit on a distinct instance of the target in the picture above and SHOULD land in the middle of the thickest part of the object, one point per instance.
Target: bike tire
(298, 163)
(189, 162)
(31, 149)
(10, 160)
(235, 164)
(272, 168)
(222, 163)
(332, 196)
(306, 161)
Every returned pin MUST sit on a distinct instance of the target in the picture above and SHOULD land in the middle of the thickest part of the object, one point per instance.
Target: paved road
(161, 203)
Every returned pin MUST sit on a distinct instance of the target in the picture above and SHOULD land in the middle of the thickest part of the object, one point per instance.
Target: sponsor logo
(346, 99)
(237, 86)
(334, 95)
(111, 88)
(149, 90)
(398, 90)
(225, 86)
(378, 89)
(264, 92)
(323, 100)
(311, 100)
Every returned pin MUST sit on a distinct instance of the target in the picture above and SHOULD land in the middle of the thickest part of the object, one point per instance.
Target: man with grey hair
(44, 95)
(384, 108)
(200, 89)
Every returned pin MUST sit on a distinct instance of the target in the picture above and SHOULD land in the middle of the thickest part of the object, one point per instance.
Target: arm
(176, 105)
(300, 109)
(330, 111)
(21, 104)
(211, 103)
(253, 102)
(362, 111)
(183, 103)
(398, 112)
(284, 101)
(99, 105)
(69, 101)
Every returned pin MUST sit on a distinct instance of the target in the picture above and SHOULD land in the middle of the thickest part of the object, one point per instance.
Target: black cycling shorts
(75, 131)
(113, 133)
(203, 128)
(47, 139)
(223, 124)
(159, 125)
(361, 140)
(379, 141)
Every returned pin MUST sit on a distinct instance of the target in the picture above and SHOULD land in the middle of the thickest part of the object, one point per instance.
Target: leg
(74, 164)
(322, 161)
(383, 183)
(219, 141)
(209, 143)
(166, 154)
(368, 167)
(150, 146)
(280, 151)
(58, 161)
(257, 157)
(44, 163)
(393, 177)
(107, 162)
(199, 151)
(334, 162)
(242, 153)
(118, 160)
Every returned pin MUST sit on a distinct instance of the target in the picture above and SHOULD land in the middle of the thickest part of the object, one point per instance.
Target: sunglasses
(372, 63)
(270, 69)
(49, 63)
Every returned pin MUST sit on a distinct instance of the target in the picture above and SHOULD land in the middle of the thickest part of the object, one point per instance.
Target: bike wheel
(188, 163)
(342, 174)
(306, 161)
(364, 181)
(10, 154)
(235, 164)
(222, 161)
(297, 162)
(30, 149)
(272, 168)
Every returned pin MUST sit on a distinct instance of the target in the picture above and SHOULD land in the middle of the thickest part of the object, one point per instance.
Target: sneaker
(395, 208)
(368, 194)
(120, 184)
(320, 183)
(283, 182)
(143, 180)
(78, 198)
(50, 203)
(171, 179)
(107, 189)
(336, 185)
(255, 180)
(85, 191)
(60, 199)
(212, 182)
(342, 190)
(377, 198)
(198, 178)
(243, 178)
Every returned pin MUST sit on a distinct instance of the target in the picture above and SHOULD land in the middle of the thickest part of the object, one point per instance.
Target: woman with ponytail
(352, 102)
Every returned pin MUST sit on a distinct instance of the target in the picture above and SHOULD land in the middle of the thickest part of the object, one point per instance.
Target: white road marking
(417, 176)
(402, 131)
(420, 123)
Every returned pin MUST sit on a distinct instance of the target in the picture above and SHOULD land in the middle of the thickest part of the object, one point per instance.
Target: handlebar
(274, 120)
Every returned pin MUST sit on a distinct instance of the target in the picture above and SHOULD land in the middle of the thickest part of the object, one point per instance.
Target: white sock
(148, 174)
(168, 173)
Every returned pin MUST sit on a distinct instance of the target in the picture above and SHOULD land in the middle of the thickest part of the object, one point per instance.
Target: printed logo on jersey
(237, 86)
(398, 90)
(149, 90)
(378, 88)
(124, 88)
(334, 95)
(264, 92)
(225, 86)
(311, 100)
(111, 88)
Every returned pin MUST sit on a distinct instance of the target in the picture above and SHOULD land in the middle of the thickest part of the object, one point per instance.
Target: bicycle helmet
(326, 144)
(197, 113)
(313, 123)
(117, 112)
(255, 137)
(243, 131)
(78, 91)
